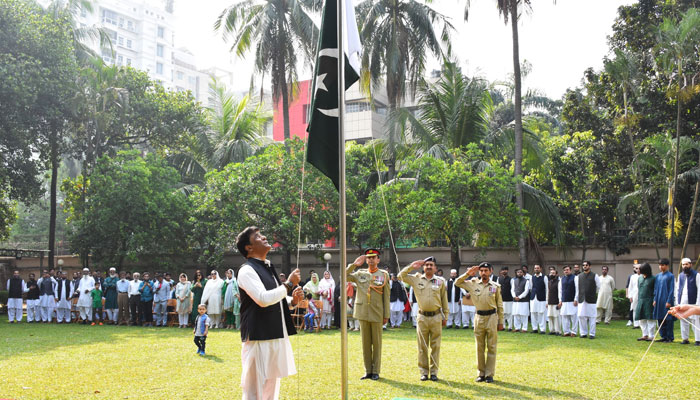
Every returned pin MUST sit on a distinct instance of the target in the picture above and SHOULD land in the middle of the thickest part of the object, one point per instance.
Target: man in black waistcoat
(33, 313)
(504, 280)
(266, 321)
(16, 287)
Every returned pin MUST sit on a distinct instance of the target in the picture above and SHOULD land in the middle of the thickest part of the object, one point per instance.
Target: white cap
(686, 260)
(112, 269)
(453, 270)
(86, 269)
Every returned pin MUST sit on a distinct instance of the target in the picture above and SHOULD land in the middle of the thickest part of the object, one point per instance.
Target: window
(120, 60)
(159, 68)
(159, 50)
(180, 75)
(192, 80)
(107, 56)
(128, 43)
(83, 12)
(112, 35)
(357, 107)
(128, 61)
(161, 32)
(121, 22)
(109, 17)
(130, 26)
(121, 40)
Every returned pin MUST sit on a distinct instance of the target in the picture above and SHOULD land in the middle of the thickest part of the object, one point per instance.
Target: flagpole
(341, 207)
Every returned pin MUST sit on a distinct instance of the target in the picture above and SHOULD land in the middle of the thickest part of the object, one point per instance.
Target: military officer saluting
(371, 307)
(486, 295)
(431, 295)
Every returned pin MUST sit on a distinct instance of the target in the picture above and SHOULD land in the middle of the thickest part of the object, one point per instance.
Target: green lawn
(106, 362)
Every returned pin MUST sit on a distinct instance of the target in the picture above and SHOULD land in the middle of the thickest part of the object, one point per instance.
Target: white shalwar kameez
(538, 309)
(454, 306)
(85, 299)
(468, 311)
(587, 312)
(265, 362)
(414, 308)
(521, 309)
(64, 303)
(633, 295)
(47, 302)
(14, 306)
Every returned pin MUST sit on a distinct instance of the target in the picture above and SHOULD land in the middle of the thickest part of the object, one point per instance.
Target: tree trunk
(455, 259)
(52, 201)
(518, 131)
(285, 108)
(690, 220)
(583, 232)
(672, 203)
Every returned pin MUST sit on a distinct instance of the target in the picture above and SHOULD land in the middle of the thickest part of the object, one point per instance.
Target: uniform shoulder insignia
(496, 284)
(440, 278)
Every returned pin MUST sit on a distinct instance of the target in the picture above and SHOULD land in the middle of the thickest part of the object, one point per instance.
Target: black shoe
(367, 376)
(686, 341)
(375, 377)
(697, 342)
(584, 336)
(591, 337)
(488, 379)
(552, 333)
(465, 327)
(543, 332)
(534, 332)
(424, 377)
(510, 329)
(480, 378)
(433, 378)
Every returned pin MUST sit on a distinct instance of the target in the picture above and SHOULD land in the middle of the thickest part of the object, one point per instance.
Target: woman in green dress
(645, 304)
(312, 287)
(232, 301)
(197, 289)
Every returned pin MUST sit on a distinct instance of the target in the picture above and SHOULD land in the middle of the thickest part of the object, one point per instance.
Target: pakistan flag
(324, 139)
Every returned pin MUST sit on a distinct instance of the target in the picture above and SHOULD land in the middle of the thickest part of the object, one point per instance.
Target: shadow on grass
(210, 357)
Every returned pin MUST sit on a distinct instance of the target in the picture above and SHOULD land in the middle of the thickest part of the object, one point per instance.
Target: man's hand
(297, 295)
(468, 295)
(684, 311)
(444, 322)
(516, 298)
(559, 305)
(385, 321)
(668, 305)
(417, 264)
(473, 270)
(575, 303)
(500, 327)
(295, 277)
(359, 261)
(653, 304)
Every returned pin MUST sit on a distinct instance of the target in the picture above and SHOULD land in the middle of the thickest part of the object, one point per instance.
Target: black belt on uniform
(428, 313)
(487, 312)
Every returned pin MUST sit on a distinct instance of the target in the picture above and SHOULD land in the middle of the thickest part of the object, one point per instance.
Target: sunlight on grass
(77, 362)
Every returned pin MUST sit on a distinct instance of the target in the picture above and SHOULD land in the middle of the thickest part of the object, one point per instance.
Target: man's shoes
(448, 327)
(510, 329)
(551, 333)
(375, 377)
(433, 378)
(480, 378)
(584, 336)
(465, 327)
(424, 377)
(367, 376)
(101, 324)
(686, 341)
(659, 340)
(543, 333)
(488, 379)
(629, 323)
(641, 339)
(697, 342)
(591, 337)
(534, 332)
(92, 324)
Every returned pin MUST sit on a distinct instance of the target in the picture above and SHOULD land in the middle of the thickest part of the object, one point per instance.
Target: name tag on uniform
(492, 290)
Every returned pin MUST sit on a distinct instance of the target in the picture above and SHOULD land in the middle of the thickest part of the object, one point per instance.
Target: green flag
(324, 140)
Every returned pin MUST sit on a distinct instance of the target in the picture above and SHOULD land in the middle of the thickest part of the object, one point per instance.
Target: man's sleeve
(499, 305)
(385, 295)
(249, 281)
(443, 301)
(406, 277)
(349, 275)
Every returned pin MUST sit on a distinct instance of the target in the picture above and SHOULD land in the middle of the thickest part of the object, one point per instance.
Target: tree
(678, 58)
(134, 211)
(278, 30)
(264, 190)
(235, 129)
(397, 36)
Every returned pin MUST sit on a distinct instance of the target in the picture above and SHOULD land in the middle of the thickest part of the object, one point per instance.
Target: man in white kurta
(567, 296)
(264, 362)
(520, 289)
(85, 286)
(605, 297)
(16, 286)
(632, 293)
(454, 303)
(468, 309)
(64, 295)
(538, 308)
(48, 288)
(687, 291)
(586, 310)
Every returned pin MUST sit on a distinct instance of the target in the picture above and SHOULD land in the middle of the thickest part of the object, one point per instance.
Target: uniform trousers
(685, 328)
(486, 336)
(371, 346)
(429, 333)
(33, 313)
(123, 310)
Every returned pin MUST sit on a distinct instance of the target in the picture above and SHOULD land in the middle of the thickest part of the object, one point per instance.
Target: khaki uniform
(371, 308)
(431, 295)
(486, 297)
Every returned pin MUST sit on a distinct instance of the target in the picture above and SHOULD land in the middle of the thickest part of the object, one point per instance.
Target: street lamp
(327, 257)
(60, 264)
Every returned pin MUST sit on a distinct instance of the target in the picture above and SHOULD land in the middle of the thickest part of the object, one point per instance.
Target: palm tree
(278, 30)
(397, 35)
(235, 130)
(509, 10)
(69, 10)
(677, 55)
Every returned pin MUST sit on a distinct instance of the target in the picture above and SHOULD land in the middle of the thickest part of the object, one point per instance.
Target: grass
(107, 362)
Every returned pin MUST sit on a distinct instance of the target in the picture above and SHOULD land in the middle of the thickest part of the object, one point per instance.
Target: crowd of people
(123, 298)
(567, 305)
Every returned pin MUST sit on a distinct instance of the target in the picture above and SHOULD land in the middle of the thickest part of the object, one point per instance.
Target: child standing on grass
(201, 329)
(96, 295)
(311, 312)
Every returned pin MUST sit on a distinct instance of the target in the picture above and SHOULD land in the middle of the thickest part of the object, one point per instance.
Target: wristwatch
(289, 285)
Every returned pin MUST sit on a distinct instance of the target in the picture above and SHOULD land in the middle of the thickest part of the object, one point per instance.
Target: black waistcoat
(520, 283)
(505, 288)
(15, 291)
(46, 287)
(64, 283)
(33, 293)
(553, 291)
(587, 288)
(264, 323)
